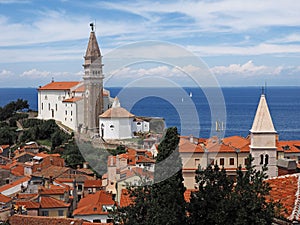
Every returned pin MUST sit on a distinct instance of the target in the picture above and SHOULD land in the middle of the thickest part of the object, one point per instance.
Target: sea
(200, 112)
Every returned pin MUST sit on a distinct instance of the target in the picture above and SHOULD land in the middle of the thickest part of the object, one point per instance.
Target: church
(81, 105)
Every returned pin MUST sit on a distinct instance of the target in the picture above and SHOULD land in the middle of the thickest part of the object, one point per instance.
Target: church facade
(77, 104)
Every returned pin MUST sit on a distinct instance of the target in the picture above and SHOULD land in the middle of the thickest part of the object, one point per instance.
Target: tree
(211, 203)
(250, 197)
(162, 202)
(219, 201)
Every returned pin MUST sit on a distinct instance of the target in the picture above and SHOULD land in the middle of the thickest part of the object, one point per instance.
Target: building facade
(77, 104)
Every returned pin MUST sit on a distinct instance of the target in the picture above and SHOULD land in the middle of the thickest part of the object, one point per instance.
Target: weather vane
(92, 26)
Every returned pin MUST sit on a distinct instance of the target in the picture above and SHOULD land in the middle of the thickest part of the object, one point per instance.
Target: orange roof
(289, 146)
(26, 196)
(125, 199)
(18, 170)
(42, 220)
(144, 159)
(28, 204)
(64, 85)
(117, 112)
(13, 184)
(93, 203)
(74, 99)
(92, 183)
(49, 202)
(53, 190)
(187, 194)
(286, 190)
(4, 199)
(4, 147)
(51, 171)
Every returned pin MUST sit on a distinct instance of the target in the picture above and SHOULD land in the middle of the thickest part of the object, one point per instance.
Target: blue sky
(242, 42)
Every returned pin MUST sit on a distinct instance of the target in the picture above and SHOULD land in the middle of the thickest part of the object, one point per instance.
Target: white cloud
(37, 74)
(5, 73)
(247, 69)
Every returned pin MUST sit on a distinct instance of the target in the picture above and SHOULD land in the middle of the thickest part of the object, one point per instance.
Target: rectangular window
(60, 212)
(222, 162)
(49, 106)
(66, 112)
(211, 161)
(71, 113)
(246, 161)
(42, 106)
(56, 107)
(231, 161)
(197, 162)
(45, 213)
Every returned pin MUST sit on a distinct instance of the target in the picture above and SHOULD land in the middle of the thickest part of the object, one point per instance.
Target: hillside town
(39, 185)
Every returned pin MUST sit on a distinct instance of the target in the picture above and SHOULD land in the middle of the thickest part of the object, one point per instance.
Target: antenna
(265, 87)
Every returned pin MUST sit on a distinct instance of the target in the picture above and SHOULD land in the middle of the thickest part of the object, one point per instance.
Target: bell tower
(93, 82)
(263, 139)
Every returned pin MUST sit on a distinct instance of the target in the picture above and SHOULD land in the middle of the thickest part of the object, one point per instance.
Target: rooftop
(62, 85)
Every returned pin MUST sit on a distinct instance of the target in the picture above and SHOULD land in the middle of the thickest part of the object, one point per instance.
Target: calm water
(177, 108)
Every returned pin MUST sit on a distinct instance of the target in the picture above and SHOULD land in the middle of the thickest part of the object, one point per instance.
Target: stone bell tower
(93, 82)
(263, 139)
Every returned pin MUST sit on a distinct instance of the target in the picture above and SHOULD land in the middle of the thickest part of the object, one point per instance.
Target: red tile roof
(53, 190)
(49, 202)
(42, 220)
(28, 204)
(13, 184)
(18, 170)
(64, 85)
(4, 199)
(289, 146)
(93, 203)
(23, 196)
(92, 183)
(144, 159)
(125, 199)
(74, 99)
(286, 190)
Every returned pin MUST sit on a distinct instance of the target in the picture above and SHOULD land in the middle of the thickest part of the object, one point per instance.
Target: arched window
(112, 127)
(266, 159)
(261, 159)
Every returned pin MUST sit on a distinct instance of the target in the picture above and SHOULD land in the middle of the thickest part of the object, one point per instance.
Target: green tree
(219, 201)
(72, 155)
(250, 197)
(211, 203)
(162, 202)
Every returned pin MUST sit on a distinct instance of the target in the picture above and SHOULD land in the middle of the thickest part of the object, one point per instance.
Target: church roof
(62, 85)
(92, 51)
(116, 111)
(263, 121)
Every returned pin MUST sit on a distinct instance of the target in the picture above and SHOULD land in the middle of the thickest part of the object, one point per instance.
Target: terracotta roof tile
(53, 171)
(93, 203)
(4, 199)
(49, 202)
(74, 99)
(92, 183)
(64, 85)
(13, 184)
(286, 190)
(117, 112)
(42, 220)
(18, 170)
(23, 196)
(28, 204)
(125, 199)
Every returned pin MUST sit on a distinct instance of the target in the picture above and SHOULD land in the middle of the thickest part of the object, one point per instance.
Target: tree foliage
(162, 202)
(11, 108)
(220, 201)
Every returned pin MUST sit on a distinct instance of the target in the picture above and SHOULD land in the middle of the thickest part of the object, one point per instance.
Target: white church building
(78, 104)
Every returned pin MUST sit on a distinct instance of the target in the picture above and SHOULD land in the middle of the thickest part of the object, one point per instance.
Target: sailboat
(191, 94)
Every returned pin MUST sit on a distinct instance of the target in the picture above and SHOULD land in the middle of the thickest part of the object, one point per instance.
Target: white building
(77, 104)
(116, 122)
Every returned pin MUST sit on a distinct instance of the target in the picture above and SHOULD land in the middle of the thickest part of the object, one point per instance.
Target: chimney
(85, 165)
(191, 139)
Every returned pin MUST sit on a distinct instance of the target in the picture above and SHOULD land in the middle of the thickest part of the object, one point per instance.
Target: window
(60, 212)
(138, 123)
(211, 161)
(112, 127)
(46, 97)
(246, 161)
(231, 161)
(79, 187)
(49, 106)
(42, 106)
(197, 162)
(71, 113)
(222, 162)
(45, 213)
(267, 159)
(66, 112)
(261, 159)
(55, 107)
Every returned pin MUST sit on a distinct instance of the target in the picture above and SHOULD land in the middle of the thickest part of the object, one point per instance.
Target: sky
(240, 42)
